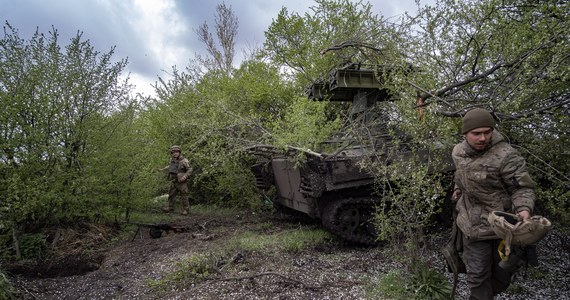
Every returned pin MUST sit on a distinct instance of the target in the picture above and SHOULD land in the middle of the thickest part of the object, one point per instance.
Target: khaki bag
(510, 228)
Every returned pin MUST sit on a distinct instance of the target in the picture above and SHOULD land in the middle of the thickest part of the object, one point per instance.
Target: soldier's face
(175, 154)
(479, 138)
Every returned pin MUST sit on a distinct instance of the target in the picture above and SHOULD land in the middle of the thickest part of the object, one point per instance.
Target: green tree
(333, 33)
(220, 112)
(346, 34)
(510, 57)
(56, 102)
(216, 119)
(120, 167)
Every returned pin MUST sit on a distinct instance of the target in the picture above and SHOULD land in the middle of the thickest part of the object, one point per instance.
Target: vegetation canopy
(76, 145)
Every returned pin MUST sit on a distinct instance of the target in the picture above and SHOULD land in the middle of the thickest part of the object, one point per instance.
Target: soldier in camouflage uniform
(490, 176)
(179, 171)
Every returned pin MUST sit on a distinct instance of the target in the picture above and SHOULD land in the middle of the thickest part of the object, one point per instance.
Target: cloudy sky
(155, 34)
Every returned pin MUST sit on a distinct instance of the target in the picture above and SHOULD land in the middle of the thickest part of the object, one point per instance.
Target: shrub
(33, 246)
(194, 269)
(422, 282)
(290, 241)
(7, 291)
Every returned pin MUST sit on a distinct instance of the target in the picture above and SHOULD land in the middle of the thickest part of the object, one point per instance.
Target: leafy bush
(421, 282)
(194, 269)
(427, 283)
(391, 287)
(33, 246)
(7, 291)
(63, 159)
(555, 201)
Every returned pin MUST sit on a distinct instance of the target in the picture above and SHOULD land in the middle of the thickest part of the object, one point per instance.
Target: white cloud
(156, 31)
(154, 34)
(160, 25)
(143, 84)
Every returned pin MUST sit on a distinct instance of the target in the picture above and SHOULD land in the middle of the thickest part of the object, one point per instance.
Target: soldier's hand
(456, 195)
(524, 214)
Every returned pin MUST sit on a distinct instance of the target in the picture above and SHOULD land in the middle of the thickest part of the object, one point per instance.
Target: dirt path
(326, 271)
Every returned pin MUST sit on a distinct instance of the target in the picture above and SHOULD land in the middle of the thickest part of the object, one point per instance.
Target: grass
(193, 269)
(422, 282)
(391, 286)
(7, 291)
(292, 240)
(214, 210)
(199, 267)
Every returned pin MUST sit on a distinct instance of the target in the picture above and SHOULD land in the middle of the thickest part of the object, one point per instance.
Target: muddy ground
(132, 268)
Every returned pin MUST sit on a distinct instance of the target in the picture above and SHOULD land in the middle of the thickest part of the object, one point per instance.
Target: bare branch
(486, 73)
(549, 166)
(347, 44)
(226, 32)
(534, 112)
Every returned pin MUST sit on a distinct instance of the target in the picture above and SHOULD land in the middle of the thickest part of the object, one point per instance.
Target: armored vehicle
(330, 187)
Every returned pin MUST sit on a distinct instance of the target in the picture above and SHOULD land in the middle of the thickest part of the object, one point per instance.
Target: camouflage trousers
(180, 190)
(484, 276)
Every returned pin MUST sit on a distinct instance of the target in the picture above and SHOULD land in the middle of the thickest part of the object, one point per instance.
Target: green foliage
(547, 161)
(290, 240)
(74, 144)
(70, 140)
(193, 269)
(299, 42)
(33, 246)
(229, 113)
(120, 166)
(422, 282)
(407, 207)
(411, 173)
(216, 210)
(7, 291)
(471, 54)
(555, 202)
(197, 268)
(214, 131)
(391, 287)
(517, 289)
(511, 58)
(428, 283)
(305, 124)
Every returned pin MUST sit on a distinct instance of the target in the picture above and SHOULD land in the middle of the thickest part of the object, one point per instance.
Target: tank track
(351, 219)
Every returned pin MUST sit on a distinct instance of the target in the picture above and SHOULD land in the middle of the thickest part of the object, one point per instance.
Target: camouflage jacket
(179, 167)
(493, 179)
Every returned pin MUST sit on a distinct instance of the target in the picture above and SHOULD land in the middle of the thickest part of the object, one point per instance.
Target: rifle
(155, 230)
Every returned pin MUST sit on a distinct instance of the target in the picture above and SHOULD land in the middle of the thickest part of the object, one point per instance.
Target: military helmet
(516, 232)
(175, 148)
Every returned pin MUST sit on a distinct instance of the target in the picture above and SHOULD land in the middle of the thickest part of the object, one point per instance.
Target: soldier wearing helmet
(179, 171)
(490, 176)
